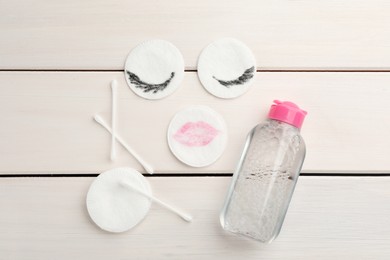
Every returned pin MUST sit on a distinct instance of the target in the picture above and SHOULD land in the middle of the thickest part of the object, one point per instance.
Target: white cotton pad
(154, 69)
(197, 136)
(226, 68)
(112, 206)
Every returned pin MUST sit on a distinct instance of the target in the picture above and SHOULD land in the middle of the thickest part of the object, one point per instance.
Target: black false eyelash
(147, 87)
(248, 74)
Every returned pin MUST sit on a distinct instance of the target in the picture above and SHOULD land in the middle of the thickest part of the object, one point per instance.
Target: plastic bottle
(265, 178)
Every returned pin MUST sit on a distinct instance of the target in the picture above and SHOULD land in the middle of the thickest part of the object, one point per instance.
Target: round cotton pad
(114, 207)
(197, 136)
(154, 69)
(226, 68)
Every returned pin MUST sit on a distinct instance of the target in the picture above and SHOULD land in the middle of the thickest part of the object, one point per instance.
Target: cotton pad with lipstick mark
(154, 69)
(197, 136)
(226, 68)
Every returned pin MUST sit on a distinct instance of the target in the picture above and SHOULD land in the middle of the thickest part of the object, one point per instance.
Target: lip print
(247, 75)
(147, 87)
(196, 134)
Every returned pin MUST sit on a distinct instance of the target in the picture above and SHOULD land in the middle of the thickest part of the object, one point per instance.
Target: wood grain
(47, 124)
(329, 218)
(96, 34)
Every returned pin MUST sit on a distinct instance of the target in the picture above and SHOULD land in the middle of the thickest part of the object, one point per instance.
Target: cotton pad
(114, 207)
(154, 69)
(226, 68)
(197, 136)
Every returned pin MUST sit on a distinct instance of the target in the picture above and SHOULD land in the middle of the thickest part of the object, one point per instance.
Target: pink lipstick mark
(196, 134)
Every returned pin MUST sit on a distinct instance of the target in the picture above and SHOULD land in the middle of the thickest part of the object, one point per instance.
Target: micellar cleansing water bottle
(265, 178)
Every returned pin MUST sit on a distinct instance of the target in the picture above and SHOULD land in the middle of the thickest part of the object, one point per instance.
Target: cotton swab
(146, 166)
(184, 216)
(114, 84)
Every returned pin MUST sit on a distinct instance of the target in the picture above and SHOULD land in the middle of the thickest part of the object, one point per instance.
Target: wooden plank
(47, 121)
(349, 34)
(329, 218)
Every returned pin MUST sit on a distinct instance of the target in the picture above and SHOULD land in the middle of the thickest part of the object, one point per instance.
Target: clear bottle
(265, 178)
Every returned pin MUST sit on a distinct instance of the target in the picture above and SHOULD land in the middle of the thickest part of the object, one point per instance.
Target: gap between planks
(82, 175)
(194, 70)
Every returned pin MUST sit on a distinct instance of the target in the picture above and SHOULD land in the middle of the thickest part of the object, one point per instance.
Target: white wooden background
(58, 57)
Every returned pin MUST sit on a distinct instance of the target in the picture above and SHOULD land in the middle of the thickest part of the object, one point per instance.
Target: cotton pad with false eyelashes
(226, 68)
(197, 136)
(154, 69)
(120, 198)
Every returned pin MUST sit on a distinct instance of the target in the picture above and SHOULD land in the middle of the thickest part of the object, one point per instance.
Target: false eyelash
(248, 74)
(147, 87)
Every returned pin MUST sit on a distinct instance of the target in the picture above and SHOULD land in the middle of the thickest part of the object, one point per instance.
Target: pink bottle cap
(287, 112)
